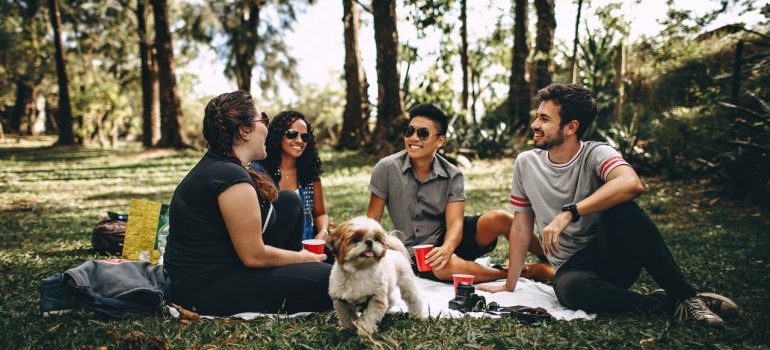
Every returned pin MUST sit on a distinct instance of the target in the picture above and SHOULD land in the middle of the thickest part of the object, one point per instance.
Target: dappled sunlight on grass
(52, 198)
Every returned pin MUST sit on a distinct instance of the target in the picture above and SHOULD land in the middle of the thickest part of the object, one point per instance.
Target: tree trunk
(518, 96)
(244, 42)
(356, 115)
(735, 85)
(573, 61)
(150, 103)
(391, 117)
(66, 134)
(23, 106)
(620, 72)
(464, 56)
(546, 25)
(170, 112)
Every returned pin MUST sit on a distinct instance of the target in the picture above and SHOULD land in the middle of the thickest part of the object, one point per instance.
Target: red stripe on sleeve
(520, 204)
(611, 166)
(520, 199)
(607, 162)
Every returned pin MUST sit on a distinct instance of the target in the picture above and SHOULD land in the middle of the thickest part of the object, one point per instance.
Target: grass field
(51, 198)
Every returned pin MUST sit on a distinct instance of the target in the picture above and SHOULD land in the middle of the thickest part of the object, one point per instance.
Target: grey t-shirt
(417, 209)
(544, 187)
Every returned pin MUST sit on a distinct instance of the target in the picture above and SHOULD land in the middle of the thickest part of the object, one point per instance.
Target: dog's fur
(370, 263)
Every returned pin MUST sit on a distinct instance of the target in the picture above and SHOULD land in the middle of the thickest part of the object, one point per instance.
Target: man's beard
(548, 144)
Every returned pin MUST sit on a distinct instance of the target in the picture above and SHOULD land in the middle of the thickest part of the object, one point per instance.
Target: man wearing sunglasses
(425, 197)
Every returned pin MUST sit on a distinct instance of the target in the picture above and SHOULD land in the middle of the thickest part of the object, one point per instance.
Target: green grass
(51, 198)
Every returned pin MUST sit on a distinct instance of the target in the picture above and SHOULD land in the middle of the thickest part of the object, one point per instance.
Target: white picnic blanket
(436, 296)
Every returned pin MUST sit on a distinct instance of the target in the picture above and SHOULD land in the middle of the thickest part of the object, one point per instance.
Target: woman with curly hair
(293, 162)
(234, 243)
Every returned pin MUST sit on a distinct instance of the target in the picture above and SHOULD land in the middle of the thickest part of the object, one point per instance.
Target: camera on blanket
(466, 300)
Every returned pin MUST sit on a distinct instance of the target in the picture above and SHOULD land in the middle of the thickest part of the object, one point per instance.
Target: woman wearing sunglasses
(235, 243)
(293, 162)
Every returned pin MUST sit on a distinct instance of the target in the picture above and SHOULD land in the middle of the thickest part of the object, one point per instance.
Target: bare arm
(240, 210)
(376, 207)
(438, 257)
(320, 218)
(622, 186)
(518, 241)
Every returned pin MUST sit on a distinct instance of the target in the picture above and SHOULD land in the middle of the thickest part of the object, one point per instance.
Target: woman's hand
(311, 257)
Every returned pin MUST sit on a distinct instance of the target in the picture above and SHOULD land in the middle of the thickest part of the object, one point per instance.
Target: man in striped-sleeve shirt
(579, 194)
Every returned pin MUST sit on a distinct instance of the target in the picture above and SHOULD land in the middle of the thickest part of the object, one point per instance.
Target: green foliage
(720, 245)
(598, 52)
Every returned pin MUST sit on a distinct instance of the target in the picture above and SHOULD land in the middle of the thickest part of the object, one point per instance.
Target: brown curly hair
(224, 117)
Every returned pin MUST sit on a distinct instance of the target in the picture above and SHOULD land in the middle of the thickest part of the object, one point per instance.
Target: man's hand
(554, 229)
(438, 257)
(495, 288)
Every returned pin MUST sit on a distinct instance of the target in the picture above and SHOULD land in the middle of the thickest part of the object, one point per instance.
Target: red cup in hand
(419, 255)
(314, 245)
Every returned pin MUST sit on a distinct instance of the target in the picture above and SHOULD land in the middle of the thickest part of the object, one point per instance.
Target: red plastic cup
(314, 245)
(419, 255)
(459, 277)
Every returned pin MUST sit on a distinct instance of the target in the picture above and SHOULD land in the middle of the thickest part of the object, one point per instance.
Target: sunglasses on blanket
(292, 134)
(422, 133)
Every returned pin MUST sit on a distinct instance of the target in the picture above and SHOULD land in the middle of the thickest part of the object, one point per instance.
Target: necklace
(286, 174)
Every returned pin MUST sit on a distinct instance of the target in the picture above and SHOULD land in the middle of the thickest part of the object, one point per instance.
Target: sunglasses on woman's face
(422, 133)
(292, 134)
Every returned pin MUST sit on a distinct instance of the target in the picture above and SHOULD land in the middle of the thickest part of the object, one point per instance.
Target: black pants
(290, 289)
(597, 278)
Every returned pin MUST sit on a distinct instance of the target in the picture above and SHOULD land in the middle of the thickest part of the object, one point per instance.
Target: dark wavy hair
(427, 110)
(576, 103)
(308, 164)
(224, 117)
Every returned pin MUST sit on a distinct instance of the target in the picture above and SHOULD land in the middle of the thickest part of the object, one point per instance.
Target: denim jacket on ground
(106, 287)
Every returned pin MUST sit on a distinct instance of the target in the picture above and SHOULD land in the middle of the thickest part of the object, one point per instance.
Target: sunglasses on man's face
(292, 134)
(422, 133)
(264, 119)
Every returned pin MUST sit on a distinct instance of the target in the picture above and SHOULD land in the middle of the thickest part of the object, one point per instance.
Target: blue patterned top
(306, 193)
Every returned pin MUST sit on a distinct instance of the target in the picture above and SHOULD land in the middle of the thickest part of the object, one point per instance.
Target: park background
(102, 101)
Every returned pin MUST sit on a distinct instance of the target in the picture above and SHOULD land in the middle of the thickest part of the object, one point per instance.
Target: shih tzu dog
(370, 264)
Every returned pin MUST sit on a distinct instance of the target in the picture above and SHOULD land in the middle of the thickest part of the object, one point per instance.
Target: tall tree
(150, 103)
(464, 56)
(355, 118)
(518, 95)
(391, 116)
(573, 60)
(66, 134)
(546, 24)
(241, 22)
(253, 30)
(170, 112)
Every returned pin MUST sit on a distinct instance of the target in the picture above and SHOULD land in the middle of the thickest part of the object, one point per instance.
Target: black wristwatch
(572, 208)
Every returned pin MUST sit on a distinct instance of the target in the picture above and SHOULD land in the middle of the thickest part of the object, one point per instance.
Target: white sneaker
(695, 309)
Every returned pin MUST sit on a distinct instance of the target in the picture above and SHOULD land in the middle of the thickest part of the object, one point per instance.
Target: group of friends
(237, 220)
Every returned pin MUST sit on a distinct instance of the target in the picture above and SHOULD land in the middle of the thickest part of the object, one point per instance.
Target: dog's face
(358, 242)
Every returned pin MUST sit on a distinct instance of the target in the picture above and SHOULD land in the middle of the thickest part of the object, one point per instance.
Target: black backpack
(108, 235)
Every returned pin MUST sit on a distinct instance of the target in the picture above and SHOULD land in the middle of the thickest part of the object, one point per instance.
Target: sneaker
(695, 309)
(718, 304)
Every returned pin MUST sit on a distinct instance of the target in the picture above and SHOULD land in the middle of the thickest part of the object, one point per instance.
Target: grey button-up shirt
(417, 209)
